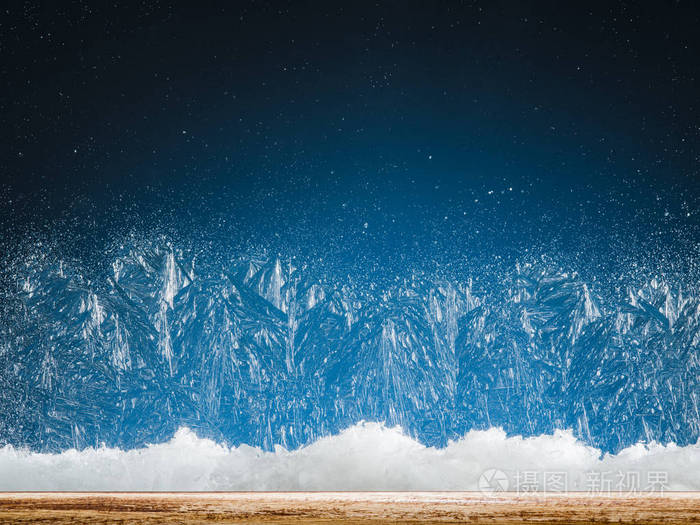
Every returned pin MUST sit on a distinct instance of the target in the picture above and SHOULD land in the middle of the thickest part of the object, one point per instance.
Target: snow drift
(366, 456)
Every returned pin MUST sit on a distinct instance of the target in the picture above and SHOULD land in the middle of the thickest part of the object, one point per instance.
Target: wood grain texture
(346, 507)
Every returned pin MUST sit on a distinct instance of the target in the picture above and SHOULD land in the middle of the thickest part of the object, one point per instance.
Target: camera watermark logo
(493, 481)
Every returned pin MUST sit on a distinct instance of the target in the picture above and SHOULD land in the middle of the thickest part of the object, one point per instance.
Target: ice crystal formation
(255, 351)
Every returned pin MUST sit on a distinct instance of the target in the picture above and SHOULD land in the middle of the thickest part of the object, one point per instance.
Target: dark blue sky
(390, 131)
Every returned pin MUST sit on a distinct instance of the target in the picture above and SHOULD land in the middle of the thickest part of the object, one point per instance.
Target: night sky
(389, 134)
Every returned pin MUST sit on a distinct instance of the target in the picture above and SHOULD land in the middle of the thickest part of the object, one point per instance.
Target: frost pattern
(254, 351)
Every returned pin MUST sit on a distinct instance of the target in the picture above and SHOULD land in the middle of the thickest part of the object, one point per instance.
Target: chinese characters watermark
(595, 482)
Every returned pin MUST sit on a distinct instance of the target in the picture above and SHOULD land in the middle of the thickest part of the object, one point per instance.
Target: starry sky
(386, 133)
